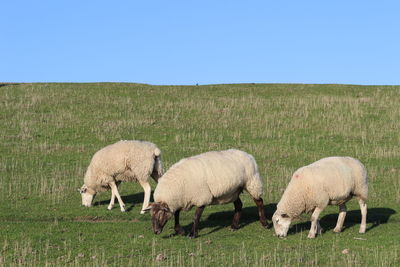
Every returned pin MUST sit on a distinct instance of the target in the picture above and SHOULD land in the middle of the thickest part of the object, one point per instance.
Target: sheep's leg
(115, 191)
(194, 232)
(178, 228)
(340, 220)
(147, 192)
(363, 208)
(261, 212)
(315, 227)
(112, 201)
(238, 212)
(319, 228)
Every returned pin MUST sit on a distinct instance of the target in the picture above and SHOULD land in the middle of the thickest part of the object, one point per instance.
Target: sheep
(329, 181)
(123, 161)
(215, 177)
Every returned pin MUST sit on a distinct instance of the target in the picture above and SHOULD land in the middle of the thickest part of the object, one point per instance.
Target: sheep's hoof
(179, 231)
(337, 230)
(123, 210)
(311, 235)
(234, 228)
(182, 233)
(192, 235)
(268, 225)
(109, 208)
(142, 212)
(362, 230)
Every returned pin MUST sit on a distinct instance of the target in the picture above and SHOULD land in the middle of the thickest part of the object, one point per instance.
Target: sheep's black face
(160, 214)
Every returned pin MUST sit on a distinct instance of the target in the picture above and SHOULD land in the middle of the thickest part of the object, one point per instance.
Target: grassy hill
(49, 133)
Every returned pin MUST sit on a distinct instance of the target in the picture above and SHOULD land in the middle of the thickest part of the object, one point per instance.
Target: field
(50, 131)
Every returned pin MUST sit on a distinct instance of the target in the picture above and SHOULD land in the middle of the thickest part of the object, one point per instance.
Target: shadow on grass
(220, 220)
(129, 200)
(223, 219)
(375, 216)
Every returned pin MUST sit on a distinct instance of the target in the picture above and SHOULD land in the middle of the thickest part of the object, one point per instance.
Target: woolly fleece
(215, 177)
(124, 161)
(329, 181)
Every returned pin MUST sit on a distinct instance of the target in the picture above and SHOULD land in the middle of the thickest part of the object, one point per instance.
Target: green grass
(49, 132)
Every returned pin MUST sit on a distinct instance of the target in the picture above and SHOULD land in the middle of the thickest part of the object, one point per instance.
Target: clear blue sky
(189, 42)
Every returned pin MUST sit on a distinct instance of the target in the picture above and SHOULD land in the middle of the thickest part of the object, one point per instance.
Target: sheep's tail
(158, 168)
(254, 184)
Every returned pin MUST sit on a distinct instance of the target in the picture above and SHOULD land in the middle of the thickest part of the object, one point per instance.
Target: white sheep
(124, 161)
(216, 177)
(329, 181)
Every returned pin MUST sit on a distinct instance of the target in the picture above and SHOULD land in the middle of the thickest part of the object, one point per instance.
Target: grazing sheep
(329, 181)
(216, 177)
(123, 161)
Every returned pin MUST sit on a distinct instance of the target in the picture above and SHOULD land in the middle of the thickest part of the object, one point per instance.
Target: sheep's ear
(285, 215)
(149, 207)
(165, 207)
(82, 190)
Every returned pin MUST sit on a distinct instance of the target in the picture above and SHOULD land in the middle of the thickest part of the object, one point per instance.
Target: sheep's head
(87, 195)
(281, 223)
(160, 214)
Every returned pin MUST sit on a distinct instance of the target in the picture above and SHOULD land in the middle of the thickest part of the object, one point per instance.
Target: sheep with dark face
(216, 177)
(124, 161)
(329, 181)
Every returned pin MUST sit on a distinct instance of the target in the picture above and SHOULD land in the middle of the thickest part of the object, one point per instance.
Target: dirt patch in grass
(96, 219)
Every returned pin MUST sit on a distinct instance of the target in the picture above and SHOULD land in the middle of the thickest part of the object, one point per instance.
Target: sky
(200, 42)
